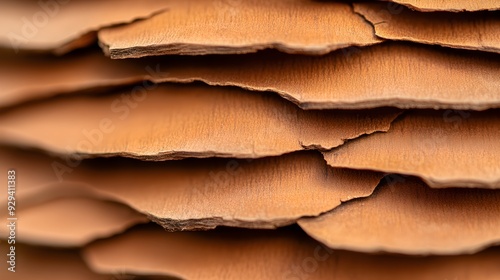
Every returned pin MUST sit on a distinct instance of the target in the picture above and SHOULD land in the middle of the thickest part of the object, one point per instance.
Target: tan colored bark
(71, 221)
(206, 193)
(444, 148)
(62, 26)
(178, 121)
(474, 31)
(282, 254)
(406, 216)
(199, 27)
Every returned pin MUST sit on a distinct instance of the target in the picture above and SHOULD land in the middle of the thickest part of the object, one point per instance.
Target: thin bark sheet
(177, 121)
(71, 221)
(39, 188)
(449, 5)
(60, 26)
(47, 263)
(390, 74)
(197, 27)
(205, 193)
(474, 31)
(406, 216)
(27, 77)
(444, 148)
(285, 254)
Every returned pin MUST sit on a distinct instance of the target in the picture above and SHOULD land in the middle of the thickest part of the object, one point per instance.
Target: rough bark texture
(284, 254)
(477, 31)
(445, 148)
(178, 121)
(405, 216)
(197, 27)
